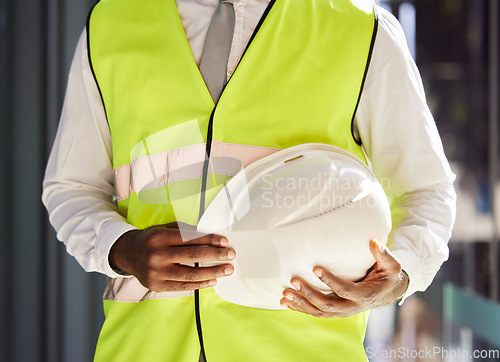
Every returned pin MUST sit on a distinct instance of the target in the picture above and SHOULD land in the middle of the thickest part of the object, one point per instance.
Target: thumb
(171, 225)
(179, 225)
(383, 255)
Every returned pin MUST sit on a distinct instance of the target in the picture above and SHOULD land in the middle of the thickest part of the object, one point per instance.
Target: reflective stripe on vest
(298, 82)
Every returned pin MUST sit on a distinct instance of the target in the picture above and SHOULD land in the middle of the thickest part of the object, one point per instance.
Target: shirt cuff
(410, 263)
(105, 240)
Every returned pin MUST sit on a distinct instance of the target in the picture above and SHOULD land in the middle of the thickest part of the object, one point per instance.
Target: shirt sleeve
(78, 185)
(401, 141)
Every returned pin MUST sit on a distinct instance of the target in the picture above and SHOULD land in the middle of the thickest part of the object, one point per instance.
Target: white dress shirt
(398, 132)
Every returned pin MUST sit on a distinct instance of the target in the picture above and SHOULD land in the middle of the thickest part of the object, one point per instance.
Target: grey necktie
(213, 64)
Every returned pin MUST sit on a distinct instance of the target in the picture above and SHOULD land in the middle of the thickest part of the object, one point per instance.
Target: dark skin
(157, 256)
(385, 283)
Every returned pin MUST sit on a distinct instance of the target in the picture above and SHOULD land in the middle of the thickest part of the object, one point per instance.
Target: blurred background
(50, 309)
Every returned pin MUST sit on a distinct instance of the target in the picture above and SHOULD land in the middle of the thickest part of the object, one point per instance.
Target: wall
(49, 308)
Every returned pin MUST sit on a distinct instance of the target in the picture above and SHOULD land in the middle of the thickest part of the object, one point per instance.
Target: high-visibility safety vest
(299, 81)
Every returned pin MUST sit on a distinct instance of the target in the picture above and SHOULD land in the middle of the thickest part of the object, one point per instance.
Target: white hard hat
(301, 207)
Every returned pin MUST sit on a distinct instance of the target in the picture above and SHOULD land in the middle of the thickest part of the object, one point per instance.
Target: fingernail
(212, 282)
(296, 285)
(224, 242)
(231, 254)
(378, 245)
(229, 270)
(318, 273)
(289, 297)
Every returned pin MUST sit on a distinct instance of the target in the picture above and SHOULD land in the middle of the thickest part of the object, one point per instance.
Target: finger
(197, 238)
(199, 254)
(313, 295)
(290, 305)
(301, 304)
(184, 226)
(383, 256)
(324, 302)
(343, 288)
(184, 273)
(187, 237)
(175, 286)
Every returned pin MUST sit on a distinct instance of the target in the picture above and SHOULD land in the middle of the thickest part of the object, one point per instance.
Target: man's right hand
(157, 257)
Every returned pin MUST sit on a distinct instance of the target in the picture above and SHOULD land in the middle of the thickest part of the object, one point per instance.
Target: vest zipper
(205, 177)
(354, 130)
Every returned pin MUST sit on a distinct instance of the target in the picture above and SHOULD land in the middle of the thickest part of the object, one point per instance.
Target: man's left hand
(385, 283)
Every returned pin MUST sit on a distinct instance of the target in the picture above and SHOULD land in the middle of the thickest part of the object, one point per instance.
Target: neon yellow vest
(299, 81)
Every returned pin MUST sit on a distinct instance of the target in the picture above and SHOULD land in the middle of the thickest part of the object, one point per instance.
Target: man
(129, 169)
